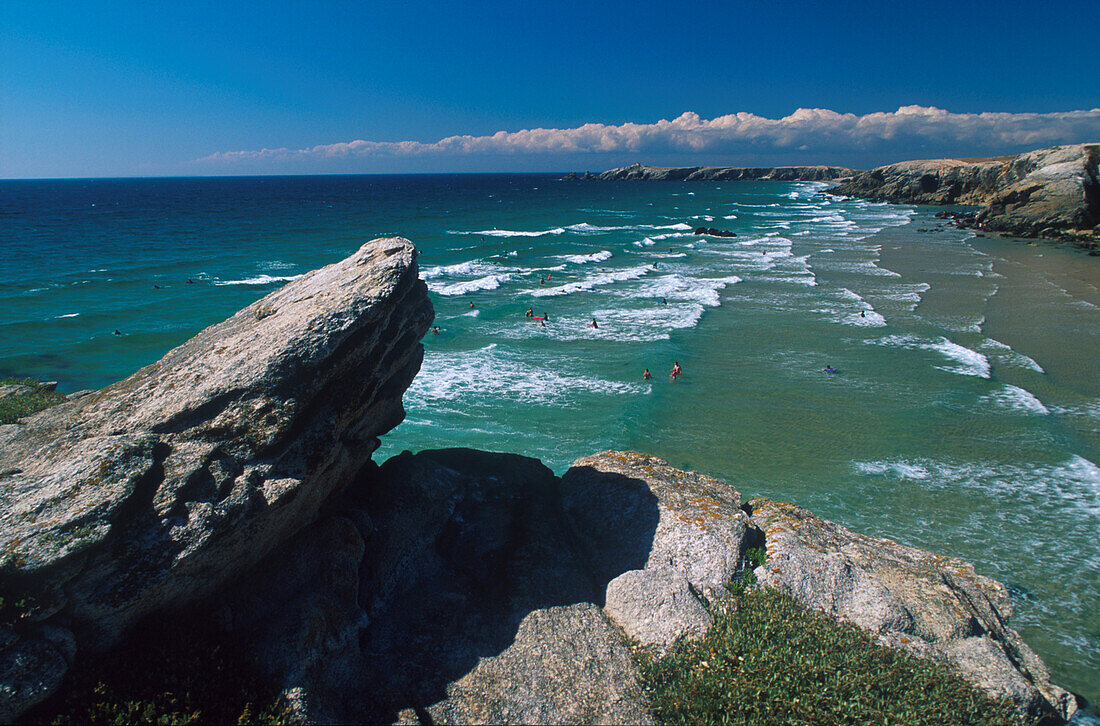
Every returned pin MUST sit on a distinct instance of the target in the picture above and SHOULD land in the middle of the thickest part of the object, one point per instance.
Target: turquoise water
(965, 416)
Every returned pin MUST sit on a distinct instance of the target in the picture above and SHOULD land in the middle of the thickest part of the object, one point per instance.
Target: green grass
(15, 408)
(768, 660)
(171, 670)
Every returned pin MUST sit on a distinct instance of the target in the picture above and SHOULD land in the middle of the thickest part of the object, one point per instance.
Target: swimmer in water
(471, 305)
(664, 301)
(157, 287)
(593, 324)
(530, 312)
(677, 371)
(862, 313)
(646, 375)
(435, 330)
(542, 280)
(190, 281)
(830, 369)
(117, 332)
(542, 323)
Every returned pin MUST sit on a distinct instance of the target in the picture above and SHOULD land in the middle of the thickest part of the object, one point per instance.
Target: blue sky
(148, 88)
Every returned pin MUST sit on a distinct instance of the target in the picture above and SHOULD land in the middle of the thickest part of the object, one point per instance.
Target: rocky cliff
(719, 173)
(1051, 193)
(450, 586)
(162, 487)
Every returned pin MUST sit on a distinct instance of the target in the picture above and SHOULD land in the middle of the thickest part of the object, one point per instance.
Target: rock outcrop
(162, 487)
(1051, 193)
(636, 172)
(934, 607)
(491, 591)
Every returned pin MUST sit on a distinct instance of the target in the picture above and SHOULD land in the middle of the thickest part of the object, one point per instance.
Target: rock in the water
(161, 487)
(932, 606)
(712, 232)
(690, 527)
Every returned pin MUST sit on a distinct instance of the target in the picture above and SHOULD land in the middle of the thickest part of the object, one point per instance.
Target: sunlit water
(964, 417)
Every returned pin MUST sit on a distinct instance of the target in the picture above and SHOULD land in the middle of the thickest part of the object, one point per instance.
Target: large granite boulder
(160, 488)
(690, 527)
(934, 607)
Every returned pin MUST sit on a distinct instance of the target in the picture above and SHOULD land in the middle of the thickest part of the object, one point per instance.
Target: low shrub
(768, 660)
(16, 407)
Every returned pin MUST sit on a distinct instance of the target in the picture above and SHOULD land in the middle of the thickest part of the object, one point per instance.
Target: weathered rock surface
(932, 606)
(1045, 193)
(478, 606)
(721, 173)
(164, 486)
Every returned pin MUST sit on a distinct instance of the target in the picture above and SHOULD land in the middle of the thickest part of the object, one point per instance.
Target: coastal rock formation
(159, 488)
(690, 527)
(723, 173)
(1045, 193)
(932, 606)
(483, 578)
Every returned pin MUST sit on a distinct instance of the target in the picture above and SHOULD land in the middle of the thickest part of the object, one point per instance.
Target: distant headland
(1052, 193)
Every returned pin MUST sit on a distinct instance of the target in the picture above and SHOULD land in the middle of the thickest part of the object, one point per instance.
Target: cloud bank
(809, 131)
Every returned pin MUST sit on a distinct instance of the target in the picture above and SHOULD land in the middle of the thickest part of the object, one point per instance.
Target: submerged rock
(934, 607)
(160, 488)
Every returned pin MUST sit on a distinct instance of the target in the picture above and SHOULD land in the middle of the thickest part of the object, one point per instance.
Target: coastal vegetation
(28, 396)
(769, 660)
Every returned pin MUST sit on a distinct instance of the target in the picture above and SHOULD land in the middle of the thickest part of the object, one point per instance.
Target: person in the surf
(664, 301)
(435, 330)
(829, 369)
(471, 304)
(542, 323)
(593, 324)
(542, 280)
(530, 312)
(646, 375)
(862, 313)
(677, 371)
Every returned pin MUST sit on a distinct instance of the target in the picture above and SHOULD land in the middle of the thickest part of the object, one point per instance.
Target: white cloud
(808, 130)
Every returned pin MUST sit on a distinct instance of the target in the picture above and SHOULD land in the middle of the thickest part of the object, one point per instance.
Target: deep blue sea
(964, 417)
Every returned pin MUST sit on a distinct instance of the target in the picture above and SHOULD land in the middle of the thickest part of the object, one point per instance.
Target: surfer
(830, 369)
(862, 313)
(664, 301)
(471, 304)
(677, 371)
(117, 332)
(549, 275)
(542, 323)
(530, 312)
(435, 330)
(646, 375)
(593, 324)
(157, 287)
(542, 280)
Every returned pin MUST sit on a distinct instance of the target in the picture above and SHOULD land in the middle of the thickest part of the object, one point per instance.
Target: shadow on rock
(465, 546)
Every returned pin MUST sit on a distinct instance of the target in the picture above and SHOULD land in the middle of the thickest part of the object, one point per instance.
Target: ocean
(964, 416)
